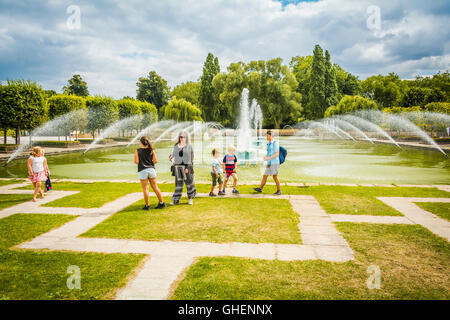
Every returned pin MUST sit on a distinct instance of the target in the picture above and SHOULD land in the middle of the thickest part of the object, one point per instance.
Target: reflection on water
(307, 161)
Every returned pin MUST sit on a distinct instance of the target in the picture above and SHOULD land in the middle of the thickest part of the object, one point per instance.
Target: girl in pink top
(37, 170)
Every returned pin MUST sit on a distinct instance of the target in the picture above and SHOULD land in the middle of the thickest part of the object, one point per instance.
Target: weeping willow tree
(181, 110)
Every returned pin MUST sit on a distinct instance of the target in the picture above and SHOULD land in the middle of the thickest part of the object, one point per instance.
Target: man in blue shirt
(273, 163)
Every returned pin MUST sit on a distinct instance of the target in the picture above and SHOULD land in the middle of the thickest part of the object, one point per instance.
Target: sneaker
(146, 208)
(257, 189)
(221, 193)
(161, 205)
(191, 201)
(173, 203)
(235, 191)
(278, 193)
(211, 194)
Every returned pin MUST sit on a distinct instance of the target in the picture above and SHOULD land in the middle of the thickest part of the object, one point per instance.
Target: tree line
(309, 87)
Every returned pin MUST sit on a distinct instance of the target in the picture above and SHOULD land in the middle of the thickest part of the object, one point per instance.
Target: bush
(442, 107)
(102, 112)
(56, 144)
(86, 141)
(149, 113)
(8, 147)
(350, 104)
(181, 110)
(401, 109)
(122, 139)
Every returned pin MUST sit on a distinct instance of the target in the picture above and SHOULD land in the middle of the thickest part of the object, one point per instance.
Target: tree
(331, 89)
(23, 106)
(350, 104)
(206, 100)
(102, 112)
(188, 91)
(386, 91)
(351, 85)
(129, 108)
(317, 94)
(76, 86)
(181, 110)
(153, 89)
(149, 113)
(74, 107)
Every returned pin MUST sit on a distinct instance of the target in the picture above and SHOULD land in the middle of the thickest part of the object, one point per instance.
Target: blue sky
(120, 41)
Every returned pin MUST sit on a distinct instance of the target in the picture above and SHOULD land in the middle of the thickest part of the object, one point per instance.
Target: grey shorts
(272, 169)
(146, 174)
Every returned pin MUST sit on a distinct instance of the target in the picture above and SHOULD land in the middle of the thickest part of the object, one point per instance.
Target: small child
(37, 170)
(216, 173)
(230, 164)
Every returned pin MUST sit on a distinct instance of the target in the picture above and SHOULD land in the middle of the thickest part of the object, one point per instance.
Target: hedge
(56, 144)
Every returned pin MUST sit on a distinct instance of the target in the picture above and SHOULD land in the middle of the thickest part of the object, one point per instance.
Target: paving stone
(334, 253)
(324, 239)
(370, 219)
(286, 252)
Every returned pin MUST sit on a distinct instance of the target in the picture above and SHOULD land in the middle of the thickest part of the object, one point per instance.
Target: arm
(46, 166)
(30, 171)
(136, 157)
(214, 169)
(155, 159)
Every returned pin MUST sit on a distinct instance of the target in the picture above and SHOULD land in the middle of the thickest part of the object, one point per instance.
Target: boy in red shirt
(230, 164)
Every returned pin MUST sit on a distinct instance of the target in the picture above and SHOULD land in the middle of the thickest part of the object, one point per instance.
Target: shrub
(350, 104)
(181, 110)
(102, 112)
(56, 144)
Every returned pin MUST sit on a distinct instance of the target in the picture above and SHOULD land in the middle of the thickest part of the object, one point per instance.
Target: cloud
(120, 41)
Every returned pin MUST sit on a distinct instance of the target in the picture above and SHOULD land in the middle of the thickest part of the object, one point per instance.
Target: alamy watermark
(374, 280)
(73, 22)
(74, 280)
(373, 21)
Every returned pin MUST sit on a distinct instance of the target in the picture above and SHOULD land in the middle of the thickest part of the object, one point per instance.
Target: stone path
(169, 259)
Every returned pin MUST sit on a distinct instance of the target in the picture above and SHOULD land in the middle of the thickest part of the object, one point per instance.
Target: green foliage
(149, 113)
(23, 105)
(442, 107)
(386, 91)
(102, 112)
(206, 99)
(317, 86)
(128, 108)
(331, 89)
(416, 96)
(350, 104)
(397, 110)
(76, 86)
(153, 89)
(188, 91)
(181, 110)
(61, 104)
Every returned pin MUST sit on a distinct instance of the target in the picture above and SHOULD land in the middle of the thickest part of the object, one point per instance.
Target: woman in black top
(145, 158)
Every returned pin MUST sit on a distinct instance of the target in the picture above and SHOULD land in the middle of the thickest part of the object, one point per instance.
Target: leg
(190, 186)
(226, 180)
(275, 178)
(40, 189)
(178, 190)
(263, 181)
(144, 184)
(155, 188)
(235, 180)
(35, 191)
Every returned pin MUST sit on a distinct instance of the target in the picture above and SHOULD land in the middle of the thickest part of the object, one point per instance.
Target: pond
(328, 161)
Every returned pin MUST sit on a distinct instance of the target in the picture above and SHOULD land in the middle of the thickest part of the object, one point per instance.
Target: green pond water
(307, 161)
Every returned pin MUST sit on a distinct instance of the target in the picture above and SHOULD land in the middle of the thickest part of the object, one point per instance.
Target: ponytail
(146, 143)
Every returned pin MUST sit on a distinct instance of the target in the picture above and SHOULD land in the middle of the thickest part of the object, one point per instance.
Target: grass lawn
(9, 200)
(414, 265)
(441, 209)
(26, 274)
(334, 199)
(215, 220)
(6, 182)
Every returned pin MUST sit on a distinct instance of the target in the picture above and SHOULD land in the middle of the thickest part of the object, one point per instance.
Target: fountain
(147, 130)
(250, 122)
(58, 126)
(124, 123)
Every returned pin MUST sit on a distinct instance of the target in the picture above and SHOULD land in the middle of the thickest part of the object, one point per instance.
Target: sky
(111, 43)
